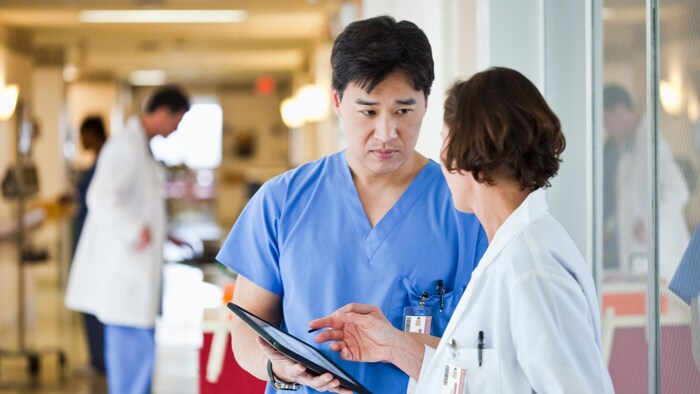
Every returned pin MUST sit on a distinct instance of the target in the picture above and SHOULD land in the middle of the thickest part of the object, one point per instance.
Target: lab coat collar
(532, 208)
(135, 125)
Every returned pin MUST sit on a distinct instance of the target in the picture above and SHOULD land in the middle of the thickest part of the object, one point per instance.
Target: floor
(50, 328)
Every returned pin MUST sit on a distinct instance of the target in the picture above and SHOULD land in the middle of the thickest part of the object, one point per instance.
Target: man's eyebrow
(365, 102)
(409, 101)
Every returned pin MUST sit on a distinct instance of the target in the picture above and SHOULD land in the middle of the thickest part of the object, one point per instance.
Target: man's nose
(385, 129)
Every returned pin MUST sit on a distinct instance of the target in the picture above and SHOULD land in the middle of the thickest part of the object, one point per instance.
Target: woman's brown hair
(500, 126)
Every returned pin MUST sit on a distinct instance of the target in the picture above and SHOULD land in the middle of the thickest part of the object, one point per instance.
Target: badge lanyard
(419, 318)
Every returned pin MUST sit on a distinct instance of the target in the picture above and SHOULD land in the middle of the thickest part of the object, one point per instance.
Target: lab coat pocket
(462, 372)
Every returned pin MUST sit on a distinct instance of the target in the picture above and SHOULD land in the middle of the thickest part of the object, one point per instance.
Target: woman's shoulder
(544, 248)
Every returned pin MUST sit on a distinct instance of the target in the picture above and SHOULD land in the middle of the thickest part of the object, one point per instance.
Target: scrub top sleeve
(554, 335)
(252, 246)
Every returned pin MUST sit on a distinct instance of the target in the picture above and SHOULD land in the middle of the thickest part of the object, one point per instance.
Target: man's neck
(365, 179)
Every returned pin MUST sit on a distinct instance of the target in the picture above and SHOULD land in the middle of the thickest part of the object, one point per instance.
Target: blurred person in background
(627, 131)
(116, 271)
(92, 137)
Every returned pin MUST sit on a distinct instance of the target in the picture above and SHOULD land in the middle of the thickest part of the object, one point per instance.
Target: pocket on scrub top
(405, 293)
(462, 374)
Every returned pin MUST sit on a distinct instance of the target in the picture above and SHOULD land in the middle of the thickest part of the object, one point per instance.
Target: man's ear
(336, 102)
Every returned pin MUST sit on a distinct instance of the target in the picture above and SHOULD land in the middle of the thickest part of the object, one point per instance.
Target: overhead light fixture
(315, 101)
(671, 97)
(70, 72)
(8, 101)
(309, 104)
(292, 112)
(163, 16)
(147, 77)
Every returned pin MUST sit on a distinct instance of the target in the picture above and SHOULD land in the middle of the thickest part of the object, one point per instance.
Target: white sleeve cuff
(427, 359)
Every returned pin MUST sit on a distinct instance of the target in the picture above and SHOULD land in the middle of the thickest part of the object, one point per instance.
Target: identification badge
(471, 370)
(418, 319)
(454, 379)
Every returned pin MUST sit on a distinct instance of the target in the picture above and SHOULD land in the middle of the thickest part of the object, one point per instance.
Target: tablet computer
(297, 350)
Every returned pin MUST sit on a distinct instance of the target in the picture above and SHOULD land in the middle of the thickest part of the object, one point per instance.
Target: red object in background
(628, 361)
(631, 303)
(233, 379)
(265, 85)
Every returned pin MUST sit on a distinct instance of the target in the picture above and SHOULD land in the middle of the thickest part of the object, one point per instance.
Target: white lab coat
(109, 278)
(533, 297)
(633, 205)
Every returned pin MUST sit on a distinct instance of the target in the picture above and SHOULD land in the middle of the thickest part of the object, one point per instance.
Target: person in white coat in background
(116, 272)
(628, 131)
(529, 319)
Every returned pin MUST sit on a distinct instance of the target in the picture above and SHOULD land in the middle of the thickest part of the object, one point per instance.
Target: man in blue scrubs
(373, 223)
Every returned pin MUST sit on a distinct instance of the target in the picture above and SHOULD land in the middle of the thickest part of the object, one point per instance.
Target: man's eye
(404, 111)
(369, 112)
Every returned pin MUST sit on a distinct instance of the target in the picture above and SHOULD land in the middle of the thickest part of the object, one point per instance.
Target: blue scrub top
(305, 236)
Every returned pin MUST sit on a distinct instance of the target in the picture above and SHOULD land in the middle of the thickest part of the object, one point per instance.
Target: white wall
(511, 34)
(87, 99)
(544, 40)
(567, 82)
(547, 42)
(48, 109)
(433, 18)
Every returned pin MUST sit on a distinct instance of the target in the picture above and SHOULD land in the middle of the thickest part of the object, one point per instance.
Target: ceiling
(277, 38)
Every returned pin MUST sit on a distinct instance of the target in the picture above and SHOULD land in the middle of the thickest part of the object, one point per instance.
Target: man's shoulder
(312, 172)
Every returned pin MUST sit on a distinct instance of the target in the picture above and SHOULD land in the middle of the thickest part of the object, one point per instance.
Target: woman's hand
(290, 371)
(362, 333)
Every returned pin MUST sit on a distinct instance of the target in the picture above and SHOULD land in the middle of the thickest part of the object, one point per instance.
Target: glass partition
(632, 151)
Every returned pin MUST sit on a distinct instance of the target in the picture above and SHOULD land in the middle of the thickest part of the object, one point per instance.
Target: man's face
(382, 127)
(167, 121)
(619, 122)
(89, 140)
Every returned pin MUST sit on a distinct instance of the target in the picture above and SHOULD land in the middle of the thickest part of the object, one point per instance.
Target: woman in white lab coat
(529, 319)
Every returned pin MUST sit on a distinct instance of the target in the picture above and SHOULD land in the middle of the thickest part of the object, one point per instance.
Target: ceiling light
(671, 97)
(8, 101)
(163, 16)
(147, 77)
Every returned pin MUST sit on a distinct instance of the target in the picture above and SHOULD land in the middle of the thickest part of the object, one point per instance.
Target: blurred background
(258, 73)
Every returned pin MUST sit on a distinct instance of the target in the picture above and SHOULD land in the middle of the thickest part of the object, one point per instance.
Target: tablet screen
(297, 346)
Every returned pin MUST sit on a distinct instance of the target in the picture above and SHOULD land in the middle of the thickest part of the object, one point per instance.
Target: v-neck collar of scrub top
(372, 237)
(531, 209)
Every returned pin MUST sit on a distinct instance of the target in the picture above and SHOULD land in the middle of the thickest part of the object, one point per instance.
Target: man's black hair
(614, 95)
(367, 51)
(171, 97)
(95, 126)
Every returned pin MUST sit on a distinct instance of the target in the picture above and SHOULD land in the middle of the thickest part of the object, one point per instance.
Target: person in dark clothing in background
(92, 137)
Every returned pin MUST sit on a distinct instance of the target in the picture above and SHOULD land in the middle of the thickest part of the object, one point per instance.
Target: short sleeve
(251, 248)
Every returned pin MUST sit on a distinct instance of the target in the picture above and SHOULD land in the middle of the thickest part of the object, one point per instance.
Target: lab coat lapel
(534, 206)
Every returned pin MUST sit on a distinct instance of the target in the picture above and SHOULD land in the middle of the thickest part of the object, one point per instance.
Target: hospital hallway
(264, 103)
(183, 341)
(50, 326)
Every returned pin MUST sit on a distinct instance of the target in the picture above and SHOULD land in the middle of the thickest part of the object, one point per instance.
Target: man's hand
(144, 239)
(288, 370)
